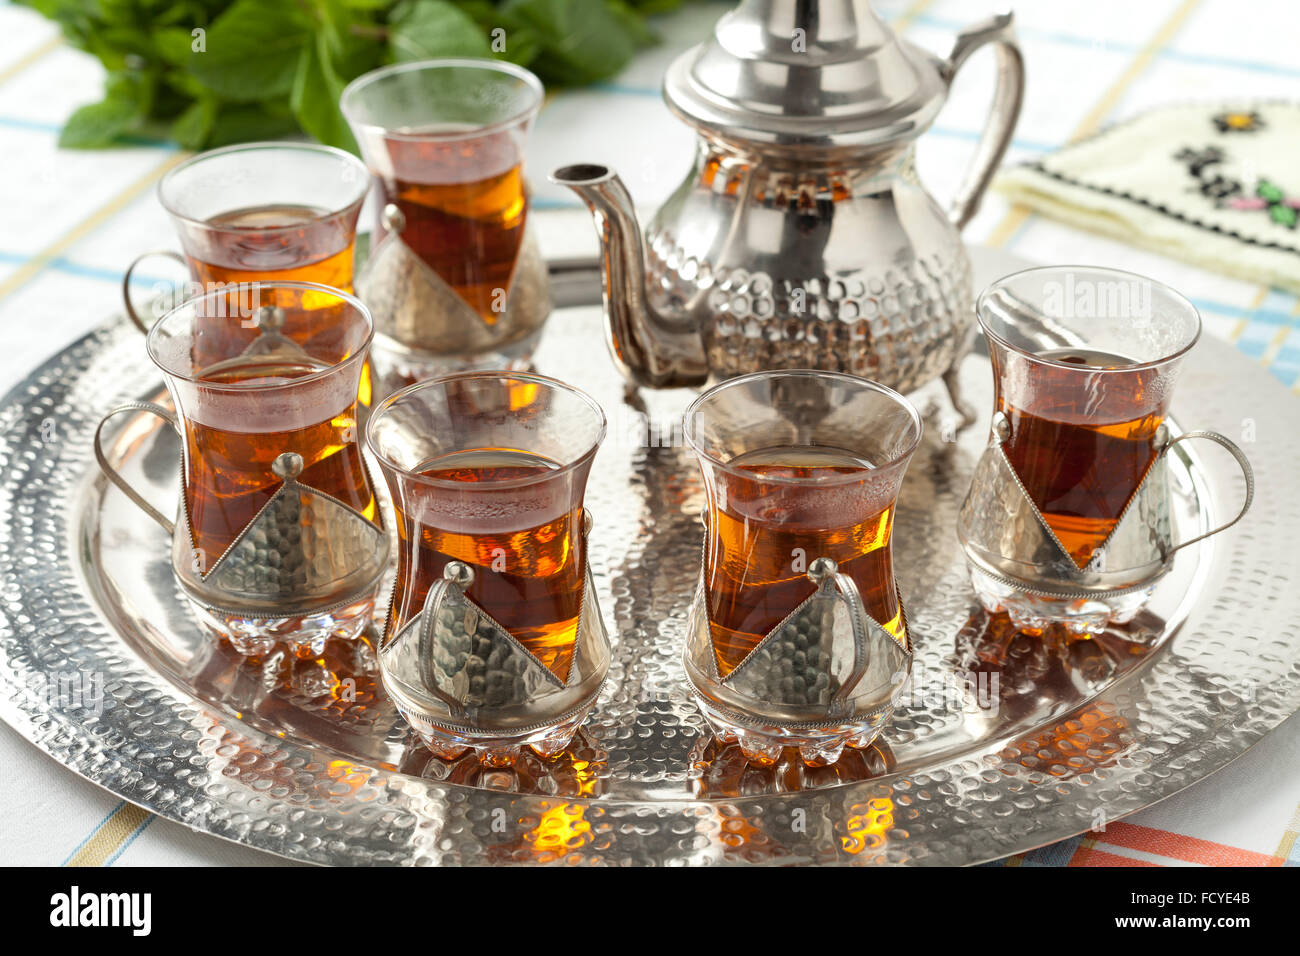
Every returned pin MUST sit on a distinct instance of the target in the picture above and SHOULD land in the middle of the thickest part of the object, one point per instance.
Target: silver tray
(1006, 742)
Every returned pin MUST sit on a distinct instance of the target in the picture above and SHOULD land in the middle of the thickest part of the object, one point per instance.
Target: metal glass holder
(1019, 565)
(424, 327)
(827, 676)
(463, 681)
(304, 569)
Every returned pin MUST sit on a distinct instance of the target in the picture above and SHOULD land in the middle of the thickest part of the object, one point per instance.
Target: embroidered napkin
(1216, 185)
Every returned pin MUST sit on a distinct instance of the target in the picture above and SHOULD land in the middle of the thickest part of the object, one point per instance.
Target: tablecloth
(70, 222)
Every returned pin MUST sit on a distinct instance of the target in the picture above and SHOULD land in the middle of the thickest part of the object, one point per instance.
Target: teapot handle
(1007, 98)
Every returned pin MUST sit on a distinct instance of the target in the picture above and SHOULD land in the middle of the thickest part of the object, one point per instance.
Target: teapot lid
(792, 73)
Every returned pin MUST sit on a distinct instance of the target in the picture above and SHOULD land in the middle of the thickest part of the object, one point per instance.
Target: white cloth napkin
(1217, 185)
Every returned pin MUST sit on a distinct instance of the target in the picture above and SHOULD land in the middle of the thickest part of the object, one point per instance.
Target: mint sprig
(207, 73)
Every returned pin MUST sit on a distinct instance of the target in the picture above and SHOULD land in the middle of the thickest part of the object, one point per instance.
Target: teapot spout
(650, 348)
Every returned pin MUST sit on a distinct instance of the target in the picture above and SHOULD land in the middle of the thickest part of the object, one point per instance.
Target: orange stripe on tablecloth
(1179, 847)
(1087, 855)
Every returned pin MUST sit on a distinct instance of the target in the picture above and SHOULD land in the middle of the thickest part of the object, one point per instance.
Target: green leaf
(1283, 215)
(1270, 191)
(126, 102)
(249, 122)
(315, 97)
(422, 29)
(581, 41)
(252, 50)
(636, 28)
(267, 68)
(194, 125)
(174, 45)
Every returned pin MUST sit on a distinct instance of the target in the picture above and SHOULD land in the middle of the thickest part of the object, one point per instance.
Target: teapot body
(846, 265)
(802, 237)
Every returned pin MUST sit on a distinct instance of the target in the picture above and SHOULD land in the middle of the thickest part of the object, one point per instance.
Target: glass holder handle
(115, 476)
(131, 313)
(825, 573)
(456, 578)
(1246, 470)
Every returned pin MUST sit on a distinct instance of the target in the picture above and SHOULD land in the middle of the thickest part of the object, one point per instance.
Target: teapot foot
(952, 385)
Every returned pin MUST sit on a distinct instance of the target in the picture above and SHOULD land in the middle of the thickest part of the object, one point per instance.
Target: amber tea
(276, 241)
(1086, 445)
(463, 206)
(523, 541)
(229, 452)
(765, 532)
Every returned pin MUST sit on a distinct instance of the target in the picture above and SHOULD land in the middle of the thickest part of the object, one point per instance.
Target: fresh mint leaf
(252, 50)
(240, 84)
(250, 122)
(422, 29)
(193, 127)
(315, 97)
(174, 45)
(125, 106)
(581, 41)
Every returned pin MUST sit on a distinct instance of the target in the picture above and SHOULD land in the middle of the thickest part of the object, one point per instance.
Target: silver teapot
(802, 237)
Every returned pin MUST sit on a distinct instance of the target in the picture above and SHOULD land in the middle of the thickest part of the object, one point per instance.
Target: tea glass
(1067, 519)
(268, 212)
(278, 538)
(455, 278)
(494, 639)
(797, 635)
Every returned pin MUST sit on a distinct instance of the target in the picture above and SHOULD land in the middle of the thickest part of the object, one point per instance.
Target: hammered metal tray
(1005, 743)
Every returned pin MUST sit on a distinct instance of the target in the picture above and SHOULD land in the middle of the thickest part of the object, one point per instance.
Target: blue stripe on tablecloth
(39, 126)
(68, 267)
(1093, 43)
(1272, 317)
(95, 829)
(1254, 340)
(1286, 364)
(131, 839)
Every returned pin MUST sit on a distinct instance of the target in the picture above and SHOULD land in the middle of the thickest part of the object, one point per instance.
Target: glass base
(818, 747)
(496, 749)
(1033, 614)
(301, 636)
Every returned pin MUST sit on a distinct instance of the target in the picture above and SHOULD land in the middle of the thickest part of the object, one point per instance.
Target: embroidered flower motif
(1235, 121)
(1269, 196)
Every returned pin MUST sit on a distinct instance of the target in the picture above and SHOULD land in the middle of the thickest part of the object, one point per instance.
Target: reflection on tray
(577, 772)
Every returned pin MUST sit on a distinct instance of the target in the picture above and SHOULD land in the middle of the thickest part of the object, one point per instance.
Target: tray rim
(28, 725)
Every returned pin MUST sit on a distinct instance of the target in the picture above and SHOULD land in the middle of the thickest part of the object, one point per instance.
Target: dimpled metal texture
(301, 542)
(900, 327)
(1073, 731)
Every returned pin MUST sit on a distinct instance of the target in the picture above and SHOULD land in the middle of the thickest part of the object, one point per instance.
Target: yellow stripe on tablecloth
(1274, 346)
(1289, 836)
(33, 266)
(13, 69)
(112, 833)
(1243, 323)
(1106, 104)
(1018, 215)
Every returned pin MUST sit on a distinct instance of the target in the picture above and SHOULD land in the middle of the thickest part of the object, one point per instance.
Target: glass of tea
(455, 278)
(278, 537)
(265, 212)
(493, 639)
(797, 635)
(1067, 519)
